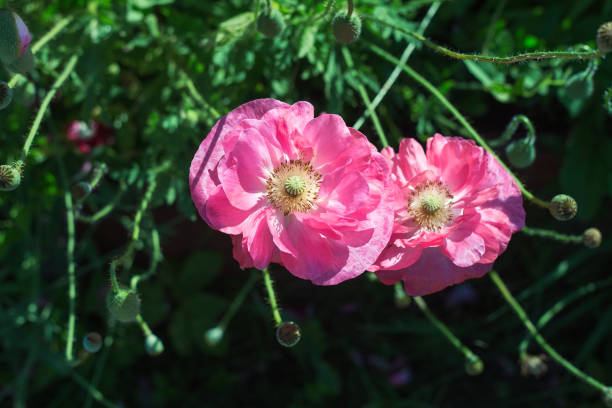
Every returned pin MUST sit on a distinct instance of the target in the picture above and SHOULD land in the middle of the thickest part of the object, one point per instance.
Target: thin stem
(45, 104)
(98, 173)
(238, 300)
(469, 355)
(425, 83)
(397, 70)
(156, 258)
(520, 312)
(575, 55)
(146, 330)
(71, 273)
(349, 11)
(511, 129)
(366, 99)
(271, 297)
(44, 40)
(104, 211)
(544, 233)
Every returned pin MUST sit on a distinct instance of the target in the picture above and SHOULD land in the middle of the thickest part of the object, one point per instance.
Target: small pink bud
(24, 35)
(15, 37)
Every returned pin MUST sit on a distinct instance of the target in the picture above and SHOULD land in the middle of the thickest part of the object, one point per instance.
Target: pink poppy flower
(87, 135)
(455, 210)
(308, 193)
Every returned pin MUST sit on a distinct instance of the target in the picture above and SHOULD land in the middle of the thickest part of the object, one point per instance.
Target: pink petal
(394, 257)
(24, 35)
(464, 247)
(259, 242)
(327, 134)
(411, 159)
(222, 215)
(240, 254)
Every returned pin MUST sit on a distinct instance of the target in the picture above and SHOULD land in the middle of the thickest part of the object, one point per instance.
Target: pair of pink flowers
(317, 197)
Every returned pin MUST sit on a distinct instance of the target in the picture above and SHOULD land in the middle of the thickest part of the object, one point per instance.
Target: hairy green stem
(544, 233)
(71, 273)
(520, 312)
(272, 297)
(104, 211)
(454, 340)
(575, 55)
(156, 258)
(434, 91)
(238, 300)
(397, 70)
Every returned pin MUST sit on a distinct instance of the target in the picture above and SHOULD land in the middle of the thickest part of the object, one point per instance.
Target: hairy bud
(591, 238)
(10, 178)
(346, 30)
(521, 153)
(288, 334)
(604, 37)
(15, 37)
(563, 207)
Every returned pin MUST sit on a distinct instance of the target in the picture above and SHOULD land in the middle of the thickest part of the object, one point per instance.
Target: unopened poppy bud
(473, 365)
(10, 178)
(270, 24)
(214, 336)
(123, 305)
(346, 30)
(288, 334)
(92, 343)
(14, 37)
(604, 37)
(6, 95)
(563, 207)
(591, 238)
(154, 345)
(521, 153)
(24, 64)
(533, 366)
(81, 190)
(579, 86)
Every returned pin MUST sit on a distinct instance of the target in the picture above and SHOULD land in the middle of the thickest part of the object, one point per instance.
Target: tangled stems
(469, 355)
(397, 70)
(45, 104)
(365, 97)
(541, 341)
(575, 55)
(272, 297)
(425, 83)
(538, 232)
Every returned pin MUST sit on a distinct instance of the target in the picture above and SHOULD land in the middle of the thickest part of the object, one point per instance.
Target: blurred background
(152, 78)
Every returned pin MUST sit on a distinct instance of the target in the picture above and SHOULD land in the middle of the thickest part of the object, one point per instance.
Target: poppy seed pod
(14, 37)
(10, 178)
(288, 334)
(270, 24)
(346, 30)
(604, 37)
(563, 207)
(6, 95)
(591, 238)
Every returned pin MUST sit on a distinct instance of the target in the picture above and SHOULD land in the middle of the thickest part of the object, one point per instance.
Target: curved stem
(146, 330)
(544, 233)
(520, 312)
(155, 260)
(238, 300)
(434, 91)
(511, 129)
(349, 11)
(575, 55)
(104, 211)
(272, 297)
(454, 340)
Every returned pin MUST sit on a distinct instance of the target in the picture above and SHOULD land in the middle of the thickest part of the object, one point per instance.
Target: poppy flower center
(293, 186)
(429, 203)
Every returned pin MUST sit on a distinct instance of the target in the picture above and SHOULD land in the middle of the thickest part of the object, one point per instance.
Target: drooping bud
(604, 37)
(154, 345)
(15, 37)
(533, 366)
(563, 207)
(214, 336)
(81, 190)
(579, 86)
(346, 30)
(123, 305)
(591, 238)
(92, 343)
(24, 64)
(288, 334)
(270, 24)
(473, 365)
(10, 178)
(6, 95)
(521, 153)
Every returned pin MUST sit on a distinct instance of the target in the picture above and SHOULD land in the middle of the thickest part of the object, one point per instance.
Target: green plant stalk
(433, 9)
(44, 40)
(104, 211)
(71, 273)
(366, 99)
(146, 330)
(272, 297)
(454, 340)
(197, 96)
(156, 258)
(520, 312)
(238, 300)
(575, 55)
(98, 173)
(561, 304)
(349, 11)
(544, 233)
(425, 83)
(45, 104)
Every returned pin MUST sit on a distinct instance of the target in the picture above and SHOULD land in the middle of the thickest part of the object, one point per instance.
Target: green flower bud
(579, 86)
(123, 305)
(14, 36)
(10, 178)
(521, 153)
(288, 334)
(214, 336)
(271, 24)
(604, 37)
(92, 343)
(346, 30)
(6, 95)
(563, 207)
(591, 238)
(533, 366)
(24, 64)
(473, 365)
(154, 345)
